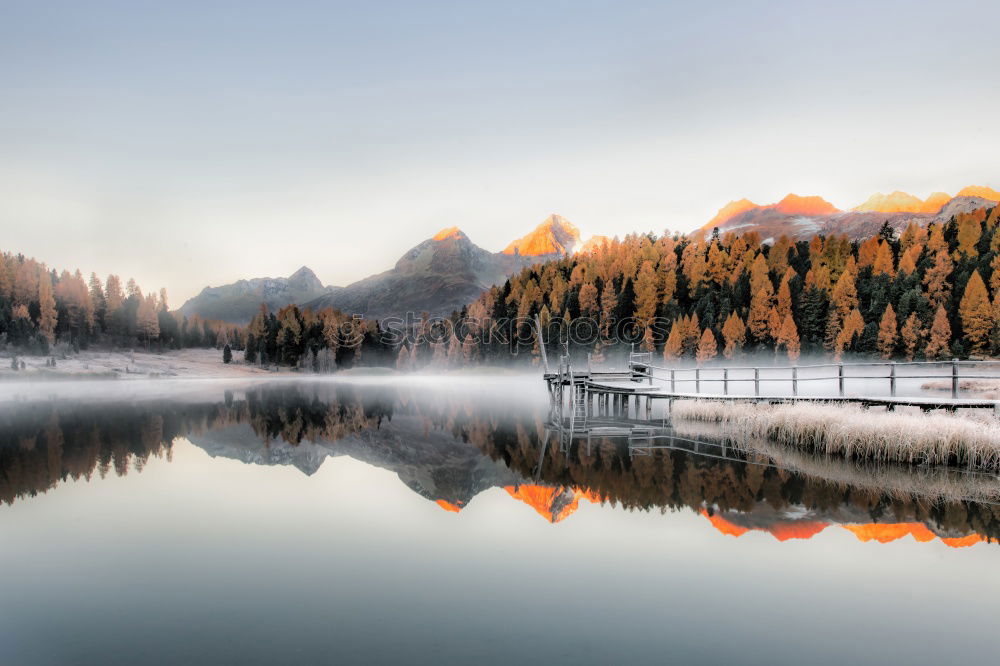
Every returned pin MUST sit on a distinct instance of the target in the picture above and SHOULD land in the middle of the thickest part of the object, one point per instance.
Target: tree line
(40, 307)
(928, 292)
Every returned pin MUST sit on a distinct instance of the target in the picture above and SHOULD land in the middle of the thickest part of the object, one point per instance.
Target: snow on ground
(131, 365)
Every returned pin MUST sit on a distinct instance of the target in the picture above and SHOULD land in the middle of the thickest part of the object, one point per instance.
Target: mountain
(802, 523)
(432, 462)
(594, 244)
(800, 218)
(979, 191)
(238, 302)
(731, 210)
(446, 272)
(554, 236)
(902, 202)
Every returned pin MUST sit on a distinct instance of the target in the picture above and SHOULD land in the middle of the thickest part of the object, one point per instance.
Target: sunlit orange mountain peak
(448, 506)
(886, 532)
(450, 232)
(896, 202)
(936, 201)
(552, 503)
(555, 235)
(594, 244)
(782, 531)
(793, 204)
(903, 202)
(879, 532)
(724, 526)
(962, 542)
(979, 191)
(731, 210)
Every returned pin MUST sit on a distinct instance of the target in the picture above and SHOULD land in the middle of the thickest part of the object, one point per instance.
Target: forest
(927, 293)
(41, 308)
(922, 293)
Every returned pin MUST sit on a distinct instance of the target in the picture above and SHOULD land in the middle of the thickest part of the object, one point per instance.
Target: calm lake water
(449, 522)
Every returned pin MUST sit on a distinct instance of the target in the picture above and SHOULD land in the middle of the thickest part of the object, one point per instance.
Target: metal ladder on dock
(579, 411)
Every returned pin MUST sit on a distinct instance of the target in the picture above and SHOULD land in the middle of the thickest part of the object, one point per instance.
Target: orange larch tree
(854, 324)
(758, 319)
(788, 338)
(936, 279)
(845, 294)
(976, 312)
(969, 231)
(884, 263)
(707, 348)
(887, 335)
(911, 335)
(734, 333)
(674, 346)
(784, 299)
(937, 345)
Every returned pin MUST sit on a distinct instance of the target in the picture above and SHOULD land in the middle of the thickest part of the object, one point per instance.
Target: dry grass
(853, 432)
(988, 389)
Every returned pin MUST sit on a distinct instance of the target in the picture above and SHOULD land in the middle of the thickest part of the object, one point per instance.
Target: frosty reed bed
(853, 432)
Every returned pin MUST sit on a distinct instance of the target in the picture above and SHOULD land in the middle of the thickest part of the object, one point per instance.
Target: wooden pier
(632, 392)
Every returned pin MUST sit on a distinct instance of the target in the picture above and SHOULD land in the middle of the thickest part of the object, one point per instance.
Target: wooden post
(954, 378)
(840, 378)
(795, 380)
(697, 380)
(649, 408)
(756, 381)
(672, 387)
(725, 381)
(892, 379)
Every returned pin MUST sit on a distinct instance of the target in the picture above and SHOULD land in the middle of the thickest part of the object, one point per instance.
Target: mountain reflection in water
(450, 446)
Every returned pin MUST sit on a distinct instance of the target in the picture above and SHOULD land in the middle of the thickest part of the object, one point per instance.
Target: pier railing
(892, 372)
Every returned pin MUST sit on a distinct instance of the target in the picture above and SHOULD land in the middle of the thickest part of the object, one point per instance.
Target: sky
(195, 143)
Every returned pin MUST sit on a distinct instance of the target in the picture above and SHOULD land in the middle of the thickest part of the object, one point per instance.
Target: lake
(451, 521)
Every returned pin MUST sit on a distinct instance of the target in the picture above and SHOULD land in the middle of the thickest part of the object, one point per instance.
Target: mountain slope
(238, 302)
(446, 272)
(800, 218)
(554, 236)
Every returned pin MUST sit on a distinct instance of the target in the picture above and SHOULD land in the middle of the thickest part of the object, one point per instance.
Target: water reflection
(450, 446)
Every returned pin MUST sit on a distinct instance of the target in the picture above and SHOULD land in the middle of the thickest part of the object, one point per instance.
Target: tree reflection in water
(451, 448)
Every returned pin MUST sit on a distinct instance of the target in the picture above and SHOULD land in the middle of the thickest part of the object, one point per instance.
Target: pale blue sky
(195, 143)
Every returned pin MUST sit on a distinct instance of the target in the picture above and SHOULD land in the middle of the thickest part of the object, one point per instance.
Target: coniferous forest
(41, 307)
(925, 293)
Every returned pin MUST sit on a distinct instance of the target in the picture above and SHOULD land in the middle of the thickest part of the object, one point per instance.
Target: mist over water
(449, 519)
